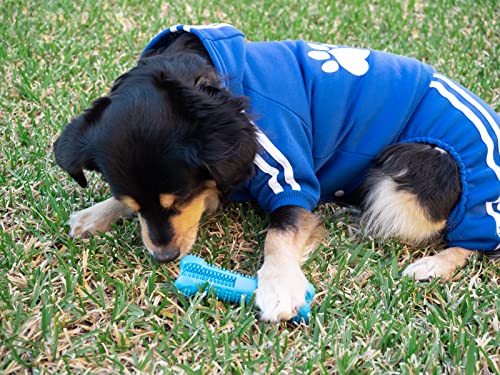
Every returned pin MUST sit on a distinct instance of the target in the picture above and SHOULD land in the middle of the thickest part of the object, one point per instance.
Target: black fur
(285, 218)
(72, 150)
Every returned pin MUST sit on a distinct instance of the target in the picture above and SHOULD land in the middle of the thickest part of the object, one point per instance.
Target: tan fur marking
(302, 241)
(145, 236)
(394, 213)
(212, 197)
(130, 202)
(412, 206)
(167, 200)
(185, 224)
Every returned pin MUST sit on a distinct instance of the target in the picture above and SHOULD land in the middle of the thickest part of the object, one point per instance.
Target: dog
(205, 118)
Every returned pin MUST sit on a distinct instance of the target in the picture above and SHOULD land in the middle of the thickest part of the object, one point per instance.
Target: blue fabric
(325, 111)
(459, 122)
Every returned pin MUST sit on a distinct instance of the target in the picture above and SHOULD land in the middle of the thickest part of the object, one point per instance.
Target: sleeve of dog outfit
(285, 170)
(284, 166)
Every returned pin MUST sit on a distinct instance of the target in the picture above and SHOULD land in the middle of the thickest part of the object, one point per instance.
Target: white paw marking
(89, 221)
(430, 267)
(351, 59)
(82, 223)
(281, 290)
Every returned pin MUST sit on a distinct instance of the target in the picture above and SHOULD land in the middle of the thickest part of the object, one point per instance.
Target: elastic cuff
(292, 198)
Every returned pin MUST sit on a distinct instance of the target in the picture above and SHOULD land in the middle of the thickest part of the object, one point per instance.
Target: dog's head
(169, 141)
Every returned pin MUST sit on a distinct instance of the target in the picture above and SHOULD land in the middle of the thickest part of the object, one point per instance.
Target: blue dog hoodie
(325, 111)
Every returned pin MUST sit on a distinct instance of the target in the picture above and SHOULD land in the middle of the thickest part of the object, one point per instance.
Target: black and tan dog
(173, 139)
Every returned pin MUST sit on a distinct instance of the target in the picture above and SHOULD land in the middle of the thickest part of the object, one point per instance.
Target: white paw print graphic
(351, 59)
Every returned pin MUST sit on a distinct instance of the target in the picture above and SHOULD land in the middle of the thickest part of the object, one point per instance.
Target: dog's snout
(160, 237)
(166, 255)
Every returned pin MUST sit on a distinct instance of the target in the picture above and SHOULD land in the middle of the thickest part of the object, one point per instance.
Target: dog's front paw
(281, 290)
(85, 223)
(98, 218)
(441, 265)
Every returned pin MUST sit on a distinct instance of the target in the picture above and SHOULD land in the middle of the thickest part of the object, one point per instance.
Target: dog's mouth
(165, 256)
(178, 237)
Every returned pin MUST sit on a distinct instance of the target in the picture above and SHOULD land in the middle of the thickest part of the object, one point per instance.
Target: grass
(102, 306)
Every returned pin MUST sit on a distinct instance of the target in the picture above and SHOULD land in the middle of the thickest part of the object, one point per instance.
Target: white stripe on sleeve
(273, 172)
(485, 137)
(495, 215)
(280, 158)
(474, 102)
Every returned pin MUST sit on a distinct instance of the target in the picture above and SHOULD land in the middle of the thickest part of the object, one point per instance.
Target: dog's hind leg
(293, 233)
(98, 218)
(409, 194)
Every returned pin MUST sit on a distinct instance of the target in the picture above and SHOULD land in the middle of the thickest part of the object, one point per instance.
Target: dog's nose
(166, 255)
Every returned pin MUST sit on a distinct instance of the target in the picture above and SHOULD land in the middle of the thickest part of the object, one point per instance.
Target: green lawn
(102, 305)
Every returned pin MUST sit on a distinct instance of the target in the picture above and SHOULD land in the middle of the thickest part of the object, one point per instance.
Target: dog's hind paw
(281, 290)
(441, 265)
(425, 269)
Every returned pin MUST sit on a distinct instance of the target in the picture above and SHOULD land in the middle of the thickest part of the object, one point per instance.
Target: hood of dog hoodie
(322, 110)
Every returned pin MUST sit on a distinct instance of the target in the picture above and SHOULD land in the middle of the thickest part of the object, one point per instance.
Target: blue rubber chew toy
(227, 285)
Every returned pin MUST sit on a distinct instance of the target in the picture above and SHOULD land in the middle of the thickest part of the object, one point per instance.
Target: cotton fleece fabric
(325, 111)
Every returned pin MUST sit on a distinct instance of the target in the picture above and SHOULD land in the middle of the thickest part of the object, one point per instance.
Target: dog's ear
(209, 83)
(229, 142)
(229, 154)
(224, 138)
(72, 150)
